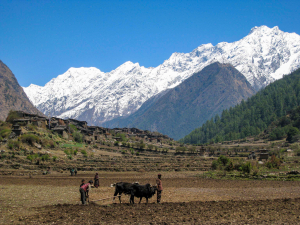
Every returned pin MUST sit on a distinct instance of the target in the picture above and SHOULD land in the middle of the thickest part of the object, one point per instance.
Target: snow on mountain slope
(89, 94)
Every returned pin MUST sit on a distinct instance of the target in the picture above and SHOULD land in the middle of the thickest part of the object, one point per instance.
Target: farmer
(96, 180)
(82, 182)
(84, 191)
(159, 187)
(75, 171)
(72, 171)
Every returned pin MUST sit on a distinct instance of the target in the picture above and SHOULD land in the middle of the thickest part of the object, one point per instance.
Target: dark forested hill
(252, 116)
(12, 96)
(187, 106)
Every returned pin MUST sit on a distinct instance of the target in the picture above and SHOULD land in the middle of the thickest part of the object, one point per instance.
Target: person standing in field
(159, 187)
(84, 191)
(72, 171)
(96, 181)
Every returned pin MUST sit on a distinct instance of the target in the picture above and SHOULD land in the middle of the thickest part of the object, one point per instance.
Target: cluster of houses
(91, 134)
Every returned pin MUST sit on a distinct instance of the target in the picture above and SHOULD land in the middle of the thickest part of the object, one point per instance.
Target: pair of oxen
(134, 190)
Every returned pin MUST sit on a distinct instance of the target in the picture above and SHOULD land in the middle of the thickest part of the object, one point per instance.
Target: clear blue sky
(42, 39)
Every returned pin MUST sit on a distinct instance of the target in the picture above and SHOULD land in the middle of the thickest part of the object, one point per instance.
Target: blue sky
(41, 39)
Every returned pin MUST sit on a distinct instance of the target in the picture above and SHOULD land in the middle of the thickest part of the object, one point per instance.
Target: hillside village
(91, 134)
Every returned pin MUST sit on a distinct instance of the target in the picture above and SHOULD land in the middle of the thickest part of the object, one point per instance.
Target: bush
(229, 167)
(12, 115)
(29, 138)
(131, 151)
(122, 136)
(293, 131)
(32, 127)
(78, 137)
(14, 144)
(45, 157)
(84, 153)
(274, 162)
(5, 133)
(246, 168)
(223, 160)
(54, 158)
(214, 165)
(66, 151)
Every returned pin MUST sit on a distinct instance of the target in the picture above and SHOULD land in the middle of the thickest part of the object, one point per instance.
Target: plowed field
(186, 199)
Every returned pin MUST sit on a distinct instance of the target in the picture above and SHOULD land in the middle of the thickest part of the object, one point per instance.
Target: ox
(140, 191)
(122, 187)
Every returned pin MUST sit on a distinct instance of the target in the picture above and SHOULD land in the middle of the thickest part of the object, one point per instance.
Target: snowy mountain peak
(263, 56)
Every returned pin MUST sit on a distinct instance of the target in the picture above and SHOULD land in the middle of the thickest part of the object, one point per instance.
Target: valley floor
(186, 199)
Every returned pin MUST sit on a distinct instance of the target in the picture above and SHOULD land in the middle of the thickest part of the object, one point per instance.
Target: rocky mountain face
(263, 56)
(191, 103)
(12, 96)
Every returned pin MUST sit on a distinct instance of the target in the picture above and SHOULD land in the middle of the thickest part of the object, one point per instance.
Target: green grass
(76, 145)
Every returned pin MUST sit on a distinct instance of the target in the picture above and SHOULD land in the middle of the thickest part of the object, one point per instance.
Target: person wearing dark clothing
(75, 171)
(82, 182)
(72, 171)
(159, 188)
(96, 180)
(84, 190)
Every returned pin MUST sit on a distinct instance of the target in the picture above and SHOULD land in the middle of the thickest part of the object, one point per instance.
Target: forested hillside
(252, 116)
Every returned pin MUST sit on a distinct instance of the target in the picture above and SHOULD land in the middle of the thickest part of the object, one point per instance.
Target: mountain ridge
(88, 93)
(12, 96)
(185, 107)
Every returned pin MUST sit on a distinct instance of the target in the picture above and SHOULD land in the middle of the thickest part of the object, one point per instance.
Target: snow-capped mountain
(264, 55)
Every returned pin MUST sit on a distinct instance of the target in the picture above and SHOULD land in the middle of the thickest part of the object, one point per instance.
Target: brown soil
(187, 199)
(224, 212)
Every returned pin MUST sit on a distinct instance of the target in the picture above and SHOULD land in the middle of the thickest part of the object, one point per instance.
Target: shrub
(293, 131)
(131, 151)
(246, 168)
(12, 115)
(14, 144)
(45, 157)
(29, 138)
(229, 167)
(215, 165)
(31, 127)
(66, 151)
(142, 145)
(78, 137)
(223, 160)
(54, 158)
(70, 157)
(5, 132)
(122, 136)
(274, 162)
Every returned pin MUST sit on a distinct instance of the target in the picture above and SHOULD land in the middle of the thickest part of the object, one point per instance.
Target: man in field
(84, 191)
(159, 187)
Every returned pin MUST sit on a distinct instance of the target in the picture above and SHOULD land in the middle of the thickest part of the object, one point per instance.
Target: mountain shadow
(180, 110)
(12, 96)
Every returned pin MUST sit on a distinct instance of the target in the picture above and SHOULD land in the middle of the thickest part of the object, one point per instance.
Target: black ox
(122, 187)
(140, 191)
